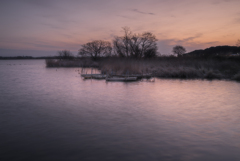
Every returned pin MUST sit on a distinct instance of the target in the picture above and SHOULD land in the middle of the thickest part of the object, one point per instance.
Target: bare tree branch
(95, 49)
(238, 43)
(135, 45)
(65, 54)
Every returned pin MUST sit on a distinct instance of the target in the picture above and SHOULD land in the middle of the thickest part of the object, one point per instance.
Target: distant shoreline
(26, 57)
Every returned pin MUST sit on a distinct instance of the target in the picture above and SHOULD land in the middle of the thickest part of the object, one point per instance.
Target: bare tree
(121, 45)
(147, 45)
(95, 49)
(135, 45)
(126, 39)
(118, 47)
(65, 54)
(238, 43)
(179, 50)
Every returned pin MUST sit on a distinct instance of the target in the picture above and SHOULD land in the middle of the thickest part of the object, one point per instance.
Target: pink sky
(41, 28)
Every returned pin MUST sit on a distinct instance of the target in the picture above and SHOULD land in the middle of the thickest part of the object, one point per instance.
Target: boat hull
(93, 76)
(122, 79)
(139, 76)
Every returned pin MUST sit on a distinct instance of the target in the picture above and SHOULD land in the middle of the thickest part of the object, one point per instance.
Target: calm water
(52, 114)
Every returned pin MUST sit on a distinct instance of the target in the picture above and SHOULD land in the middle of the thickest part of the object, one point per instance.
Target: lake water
(53, 114)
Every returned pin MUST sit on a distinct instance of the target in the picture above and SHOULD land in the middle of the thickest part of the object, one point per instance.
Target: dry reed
(163, 67)
(167, 67)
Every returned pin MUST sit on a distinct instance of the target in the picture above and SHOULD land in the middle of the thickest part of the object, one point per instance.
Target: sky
(43, 27)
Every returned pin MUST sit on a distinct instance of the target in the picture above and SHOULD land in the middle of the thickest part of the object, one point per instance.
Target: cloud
(127, 17)
(185, 41)
(165, 46)
(141, 12)
(211, 42)
(191, 38)
(216, 2)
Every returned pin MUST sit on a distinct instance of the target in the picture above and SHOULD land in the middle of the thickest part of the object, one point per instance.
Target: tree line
(216, 51)
(130, 45)
(143, 45)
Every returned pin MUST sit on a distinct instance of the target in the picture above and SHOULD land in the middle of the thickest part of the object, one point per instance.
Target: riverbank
(162, 67)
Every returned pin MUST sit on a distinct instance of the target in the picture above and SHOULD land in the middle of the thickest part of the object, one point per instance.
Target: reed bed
(162, 67)
(185, 68)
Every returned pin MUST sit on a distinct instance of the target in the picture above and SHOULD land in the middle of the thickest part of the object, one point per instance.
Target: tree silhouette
(135, 45)
(238, 43)
(95, 49)
(179, 50)
(121, 45)
(65, 54)
(148, 45)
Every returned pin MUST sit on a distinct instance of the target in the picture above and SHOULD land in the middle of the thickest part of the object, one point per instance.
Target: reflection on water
(52, 114)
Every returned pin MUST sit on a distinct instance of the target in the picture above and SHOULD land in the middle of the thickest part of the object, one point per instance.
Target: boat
(93, 76)
(139, 76)
(122, 79)
(99, 76)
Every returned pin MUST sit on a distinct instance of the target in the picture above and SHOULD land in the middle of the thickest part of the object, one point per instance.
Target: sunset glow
(56, 25)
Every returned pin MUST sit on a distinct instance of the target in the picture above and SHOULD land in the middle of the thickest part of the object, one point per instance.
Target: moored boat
(99, 76)
(139, 76)
(93, 76)
(122, 79)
